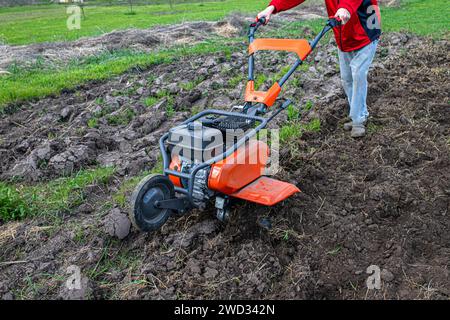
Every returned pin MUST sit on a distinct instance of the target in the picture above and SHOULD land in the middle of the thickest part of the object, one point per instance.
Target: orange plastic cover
(266, 191)
(268, 98)
(239, 169)
(300, 46)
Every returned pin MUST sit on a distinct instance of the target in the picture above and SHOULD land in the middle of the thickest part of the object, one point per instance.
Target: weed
(293, 113)
(308, 105)
(162, 93)
(150, 101)
(99, 101)
(18, 201)
(92, 123)
(260, 80)
(290, 131)
(234, 81)
(313, 125)
(170, 111)
(294, 129)
(372, 128)
(12, 204)
(122, 118)
(190, 85)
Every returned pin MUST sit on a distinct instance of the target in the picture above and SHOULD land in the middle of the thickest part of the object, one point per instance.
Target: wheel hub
(144, 213)
(149, 209)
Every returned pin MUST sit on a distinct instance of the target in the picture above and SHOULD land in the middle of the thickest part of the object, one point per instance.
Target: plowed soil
(382, 200)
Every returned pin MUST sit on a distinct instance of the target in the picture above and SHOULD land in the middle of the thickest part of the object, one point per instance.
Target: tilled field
(382, 200)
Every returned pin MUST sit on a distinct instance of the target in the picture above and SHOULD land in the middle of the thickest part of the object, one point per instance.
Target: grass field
(27, 24)
(31, 24)
(422, 17)
(25, 84)
(19, 201)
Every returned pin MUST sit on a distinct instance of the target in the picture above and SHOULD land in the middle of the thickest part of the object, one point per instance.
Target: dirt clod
(117, 224)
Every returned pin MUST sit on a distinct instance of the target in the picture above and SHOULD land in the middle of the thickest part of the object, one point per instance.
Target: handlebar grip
(334, 22)
(259, 22)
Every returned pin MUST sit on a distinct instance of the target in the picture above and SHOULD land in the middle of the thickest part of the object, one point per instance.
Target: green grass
(260, 79)
(293, 112)
(33, 83)
(18, 201)
(190, 85)
(33, 24)
(122, 118)
(294, 129)
(308, 105)
(12, 204)
(234, 81)
(313, 125)
(372, 128)
(170, 111)
(92, 123)
(422, 17)
(150, 101)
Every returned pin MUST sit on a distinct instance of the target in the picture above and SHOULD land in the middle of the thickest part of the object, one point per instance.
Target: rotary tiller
(191, 179)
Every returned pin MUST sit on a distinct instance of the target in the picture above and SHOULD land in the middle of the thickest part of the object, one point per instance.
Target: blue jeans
(354, 67)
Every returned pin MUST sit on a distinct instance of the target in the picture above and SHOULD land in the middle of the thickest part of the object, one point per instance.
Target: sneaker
(358, 130)
(348, 126)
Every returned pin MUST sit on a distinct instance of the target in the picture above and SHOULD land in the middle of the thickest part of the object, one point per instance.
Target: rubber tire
(150, 181)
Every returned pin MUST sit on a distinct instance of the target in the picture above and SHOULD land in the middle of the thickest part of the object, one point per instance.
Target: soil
(382, 200)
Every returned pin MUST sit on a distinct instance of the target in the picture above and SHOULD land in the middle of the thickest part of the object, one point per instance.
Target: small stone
(195, 269)
(221, 102)
(84, 208)
(44, 152)
(140, 91)
(404, 120)
(386, 275)
(210, 273)
(203, 72)
(210, 62)
(173, 88)
(125, 147)
(66, 113)
(8, 296)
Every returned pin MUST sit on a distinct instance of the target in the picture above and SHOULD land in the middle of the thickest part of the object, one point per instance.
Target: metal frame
(190, 176)
(331, 23)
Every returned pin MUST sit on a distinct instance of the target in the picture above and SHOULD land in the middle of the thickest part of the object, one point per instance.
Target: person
(357, 40)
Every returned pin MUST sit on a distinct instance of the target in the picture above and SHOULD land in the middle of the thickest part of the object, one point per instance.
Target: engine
(198, 142)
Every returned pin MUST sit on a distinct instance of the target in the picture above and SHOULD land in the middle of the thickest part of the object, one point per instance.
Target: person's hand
(266, 13)
(343, 14)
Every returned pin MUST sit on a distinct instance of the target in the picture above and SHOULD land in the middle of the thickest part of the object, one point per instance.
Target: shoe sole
(358, 135)
(350, 126)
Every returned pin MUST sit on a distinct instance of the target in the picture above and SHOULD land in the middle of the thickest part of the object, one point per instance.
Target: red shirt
(363, 27)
